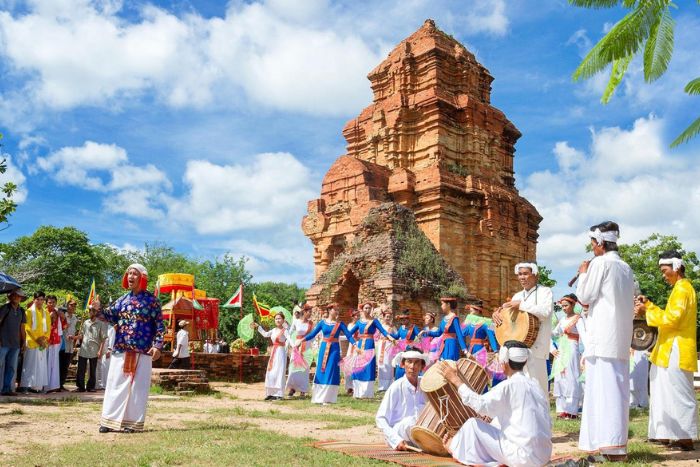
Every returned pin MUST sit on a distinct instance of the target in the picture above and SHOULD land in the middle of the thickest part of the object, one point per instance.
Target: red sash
(329, 341)
(278, 343)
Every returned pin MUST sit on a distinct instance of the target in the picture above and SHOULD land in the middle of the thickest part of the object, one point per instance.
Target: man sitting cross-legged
(520, 432)
(403, 401)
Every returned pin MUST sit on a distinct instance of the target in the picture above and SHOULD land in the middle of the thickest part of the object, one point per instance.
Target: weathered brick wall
(225, 367)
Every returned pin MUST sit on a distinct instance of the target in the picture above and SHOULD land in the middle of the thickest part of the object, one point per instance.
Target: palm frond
(687, 134)
(591, 64)
(659, 47)
(694, 86)
(617, 73)
(595, 3)
(627, 36)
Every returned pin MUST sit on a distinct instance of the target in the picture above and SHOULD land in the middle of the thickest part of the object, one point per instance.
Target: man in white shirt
(520, 431)
(181, 354)
(537, 300)
(606, 285)
(403, 401)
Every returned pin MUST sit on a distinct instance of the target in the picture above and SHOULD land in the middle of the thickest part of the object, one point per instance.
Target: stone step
(197, 387)
(184, 393)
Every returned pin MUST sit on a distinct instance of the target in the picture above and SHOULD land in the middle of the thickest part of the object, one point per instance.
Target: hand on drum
(449, 372)
(402, 446)
(496, 317)
(446, 439)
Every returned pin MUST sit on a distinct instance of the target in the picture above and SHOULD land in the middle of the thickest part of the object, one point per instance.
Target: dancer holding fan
(364, 376)
(386, 351)
(274, 377)
(298, 378)
(449, 330)
(327, 379)
(406, 334)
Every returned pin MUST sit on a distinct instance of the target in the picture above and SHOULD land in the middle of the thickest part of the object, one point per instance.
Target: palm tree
(647, 29)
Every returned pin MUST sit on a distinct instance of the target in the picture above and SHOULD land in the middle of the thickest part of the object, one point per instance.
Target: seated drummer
(403, 401)
(520, 433)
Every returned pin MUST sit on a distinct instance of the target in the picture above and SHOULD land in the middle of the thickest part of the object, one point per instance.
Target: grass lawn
(199, 443)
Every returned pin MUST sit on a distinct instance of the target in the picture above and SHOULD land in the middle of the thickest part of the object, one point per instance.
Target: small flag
(91, 296)
(156, 289)
(261, 309)
(236, 301)
(197, 305)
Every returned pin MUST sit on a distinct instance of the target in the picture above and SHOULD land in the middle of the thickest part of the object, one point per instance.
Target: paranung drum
(517, 325)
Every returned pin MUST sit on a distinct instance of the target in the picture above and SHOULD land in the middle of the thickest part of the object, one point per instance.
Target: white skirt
(125, 399)
(673, 411)
(52, 370)
(385, 373)
(274, 377)
(639, 380)
(362, 389)
(104, 371)
(567, 388)
(605, 417)
(298, 380)
(324, 394)
(34, 369)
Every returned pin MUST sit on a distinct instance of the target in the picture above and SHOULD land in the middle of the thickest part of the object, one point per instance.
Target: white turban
(675, 263)
(600, 237)
(139, 267)
(516, 354)
(532, 266)
(407, 355)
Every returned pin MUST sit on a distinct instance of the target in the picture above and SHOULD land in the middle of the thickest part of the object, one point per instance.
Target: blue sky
(208, 125)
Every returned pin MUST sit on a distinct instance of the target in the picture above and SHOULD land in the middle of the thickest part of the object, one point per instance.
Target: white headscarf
(139, 267)
(675, 263)
(516, 354)
(532, 266)
(408, 354)
(600, 237)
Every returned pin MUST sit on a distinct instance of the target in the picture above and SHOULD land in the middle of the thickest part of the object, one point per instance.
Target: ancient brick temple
(432, 142)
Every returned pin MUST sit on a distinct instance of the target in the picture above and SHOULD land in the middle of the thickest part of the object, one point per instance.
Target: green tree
(647, 29)
(7, 205)
(545, 276)
(643, 258)
(53, 258)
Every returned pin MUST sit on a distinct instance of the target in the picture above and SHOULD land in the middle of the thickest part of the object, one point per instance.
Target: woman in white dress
(384, 348)
(298, 377)
(568, 390)
(274, 377)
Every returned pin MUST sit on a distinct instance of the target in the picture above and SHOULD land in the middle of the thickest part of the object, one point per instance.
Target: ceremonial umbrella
(8, 283)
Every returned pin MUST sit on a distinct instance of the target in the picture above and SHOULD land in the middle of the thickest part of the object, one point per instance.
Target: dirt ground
(68, 418)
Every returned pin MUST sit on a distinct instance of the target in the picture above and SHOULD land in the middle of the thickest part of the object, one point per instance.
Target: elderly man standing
(67, 341)
(138, 341)
(537, 300)
(606, 284)
(12, 339)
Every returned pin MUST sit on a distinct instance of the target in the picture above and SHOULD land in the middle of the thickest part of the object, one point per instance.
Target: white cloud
(270, 192)
(487, 16)
(137, 191)
(14, 174)
(627, 175)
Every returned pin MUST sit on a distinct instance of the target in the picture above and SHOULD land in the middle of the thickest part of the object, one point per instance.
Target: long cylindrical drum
(429, 431)
(445, 399)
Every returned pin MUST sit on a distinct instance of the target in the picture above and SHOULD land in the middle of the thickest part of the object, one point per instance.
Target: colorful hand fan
(244, 330)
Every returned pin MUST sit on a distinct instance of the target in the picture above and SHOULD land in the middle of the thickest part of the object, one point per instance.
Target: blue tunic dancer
(407, 332)
(478, 334)
(451, 331)
(327, 377)
(363, 382)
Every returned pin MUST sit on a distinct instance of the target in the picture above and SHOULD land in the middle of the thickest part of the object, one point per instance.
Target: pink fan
(435, 345)
(481, 357)
(495, 369)
(355, 363)
(399, 346)
(298, 361)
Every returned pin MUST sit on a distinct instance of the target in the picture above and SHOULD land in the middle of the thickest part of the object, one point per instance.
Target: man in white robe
(606, 285)
(402, 402)
(520, 431)
(536, 300)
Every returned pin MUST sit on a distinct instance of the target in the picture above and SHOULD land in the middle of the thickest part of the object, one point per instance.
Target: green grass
(344, 402)
(156, 389)
(200, 443)
(333, 421)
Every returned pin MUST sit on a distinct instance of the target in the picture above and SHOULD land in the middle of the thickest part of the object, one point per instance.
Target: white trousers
(298, 380)
(605, 417)
(362, 389)
(639, 380)
(104, 371)
(537, 368)
(53, 376)
(125, 398)
(274, 377)
(403, 429)
(673, 411)
(34, 369)
(324, 394)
